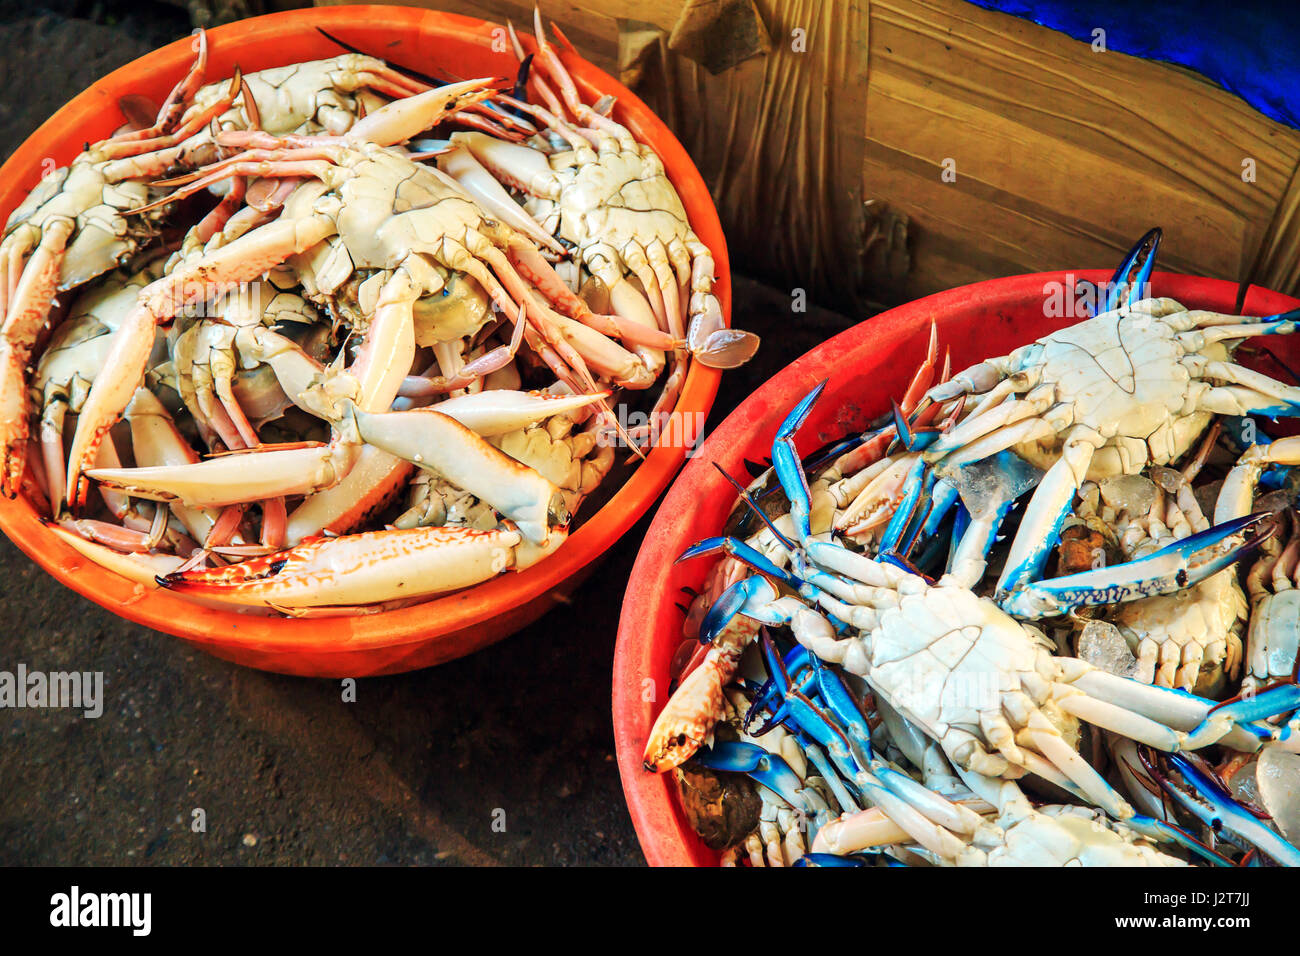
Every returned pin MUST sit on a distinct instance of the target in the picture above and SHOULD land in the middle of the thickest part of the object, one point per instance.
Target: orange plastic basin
(865, 367)
(439, 630)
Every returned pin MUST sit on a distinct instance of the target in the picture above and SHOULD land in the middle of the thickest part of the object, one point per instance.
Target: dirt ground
(415, 771)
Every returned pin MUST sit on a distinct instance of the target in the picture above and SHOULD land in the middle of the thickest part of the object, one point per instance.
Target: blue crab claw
(839, 701)
(920, 480)
(765, 768)
(1180, 565)
(835, 724)
(1211, 803)
(746, 596)
(789, 468)
(1243, 712)
(1164, 832)
(799, 414)
(811, 697)
(741, 552)
(772, 696)
(1141, 257)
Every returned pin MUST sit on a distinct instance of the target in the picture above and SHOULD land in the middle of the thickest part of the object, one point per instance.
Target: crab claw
(366, 569)
(686, 723)
(811, 699)
(431, 439)
(1243, 711)
(1141, 257)
(237, 477)
(741, 598)
(744, 553)
(789, 469)
(1180, 565)
(919, 483)
(765, 768)
(819, 707)
(1211, 803)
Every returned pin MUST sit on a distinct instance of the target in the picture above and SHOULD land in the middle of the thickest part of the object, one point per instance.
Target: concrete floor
(285, 772)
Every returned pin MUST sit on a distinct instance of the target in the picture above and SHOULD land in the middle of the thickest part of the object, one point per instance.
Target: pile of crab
(1046, 613)
(280, 348)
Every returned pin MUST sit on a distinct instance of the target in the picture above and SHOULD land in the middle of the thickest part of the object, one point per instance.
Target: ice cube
(1102, 646)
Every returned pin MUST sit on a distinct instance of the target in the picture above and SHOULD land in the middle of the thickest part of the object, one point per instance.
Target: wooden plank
(1277, 265)
(779, 138)
(1063, 156)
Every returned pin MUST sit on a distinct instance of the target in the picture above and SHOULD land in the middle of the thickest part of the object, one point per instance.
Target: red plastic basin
(438, 630)
(866, 366)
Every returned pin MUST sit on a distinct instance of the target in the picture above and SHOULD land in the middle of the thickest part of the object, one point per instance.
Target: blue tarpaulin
(1249, 47)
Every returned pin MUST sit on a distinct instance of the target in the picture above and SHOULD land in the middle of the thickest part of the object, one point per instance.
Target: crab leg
(156, 441)
(519, 167)
(460, 164)
(549, 61)
(244, 259)
(138, 567)
(469, 374)
(181, 94)
(294, 369)
(539, 272)
(29, 308)
(52, 419)
(1238, 491)
(1214, 805)
(220, 410)
(1041, 526)
(487, 413)
(386, 355)
(122, 148)
(464, 167)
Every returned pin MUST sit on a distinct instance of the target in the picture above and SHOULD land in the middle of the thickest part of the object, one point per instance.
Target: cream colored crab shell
(1122, 374)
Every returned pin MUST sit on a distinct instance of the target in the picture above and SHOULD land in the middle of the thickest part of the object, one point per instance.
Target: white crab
(1107, 396)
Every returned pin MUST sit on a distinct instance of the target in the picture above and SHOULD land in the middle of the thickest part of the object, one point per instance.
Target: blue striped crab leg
(1207, 799)
(819, 706)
